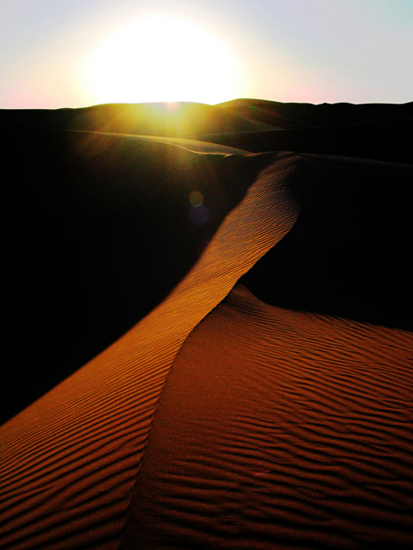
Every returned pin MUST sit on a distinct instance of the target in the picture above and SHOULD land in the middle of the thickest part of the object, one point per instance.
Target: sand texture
(280, 430)
(209, 328)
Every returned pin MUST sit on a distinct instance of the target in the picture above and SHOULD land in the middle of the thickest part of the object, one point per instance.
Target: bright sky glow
(73, 53)
(162, 57)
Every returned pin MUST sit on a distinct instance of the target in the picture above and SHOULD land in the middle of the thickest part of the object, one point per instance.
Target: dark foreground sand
(190, 410)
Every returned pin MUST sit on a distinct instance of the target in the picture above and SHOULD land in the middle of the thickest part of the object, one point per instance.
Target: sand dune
(363, 131)
(280, 430)
(184, 411)
(346, 255)
(70, 460)
(185, 120)
(94, 215)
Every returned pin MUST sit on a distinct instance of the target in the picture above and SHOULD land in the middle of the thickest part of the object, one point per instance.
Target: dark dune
(376, 131)
(180, 120)
(299, 115)
(347, 253)
(284, 417)
(98, 236)
(69, 461)
(383, 142)
(364, 131)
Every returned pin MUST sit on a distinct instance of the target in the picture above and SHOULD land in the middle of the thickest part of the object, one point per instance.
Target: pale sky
(76, 53)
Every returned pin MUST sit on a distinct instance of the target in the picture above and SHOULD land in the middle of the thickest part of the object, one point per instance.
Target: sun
(162, 58)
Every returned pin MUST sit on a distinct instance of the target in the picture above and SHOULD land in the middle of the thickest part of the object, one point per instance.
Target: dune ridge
(346, 255)
(69, 461)
(97, 218)
(373, 131)
(277, 414)
(280, 429)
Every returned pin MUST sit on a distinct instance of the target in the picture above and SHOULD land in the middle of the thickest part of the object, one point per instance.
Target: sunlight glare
(162, 58)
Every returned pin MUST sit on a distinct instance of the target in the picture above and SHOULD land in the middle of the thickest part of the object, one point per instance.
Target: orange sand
(70, 460)
(273, 413)
(278, 429)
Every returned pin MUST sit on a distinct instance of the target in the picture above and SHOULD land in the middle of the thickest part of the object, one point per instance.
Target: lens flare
(198, 213)
(196, 198)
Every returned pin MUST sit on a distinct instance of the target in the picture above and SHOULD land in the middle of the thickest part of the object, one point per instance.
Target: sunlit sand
(209, 327)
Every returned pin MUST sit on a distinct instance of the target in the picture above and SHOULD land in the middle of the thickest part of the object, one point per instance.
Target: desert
(209, 327)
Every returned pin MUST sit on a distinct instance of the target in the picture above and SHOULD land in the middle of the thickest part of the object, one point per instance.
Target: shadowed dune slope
(101, 229)
(285, 424)
(378, 141)
(376, 131)
(69, 461)
(279, 429)
(348, 253)
(287, 115)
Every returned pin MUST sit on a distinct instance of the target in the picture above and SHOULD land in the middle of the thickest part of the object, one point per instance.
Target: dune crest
(281, 407)
(68, 462)
(103, 230)
(278, 429)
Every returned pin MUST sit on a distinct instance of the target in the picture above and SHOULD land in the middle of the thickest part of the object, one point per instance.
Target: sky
(76, 53)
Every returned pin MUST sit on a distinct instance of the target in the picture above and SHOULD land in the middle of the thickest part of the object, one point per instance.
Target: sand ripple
(68, 462)
(278, 429)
